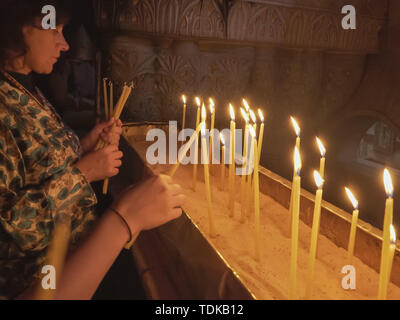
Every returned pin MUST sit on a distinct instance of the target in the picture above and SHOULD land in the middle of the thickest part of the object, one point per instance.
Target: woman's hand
(150, 204)
(104, 131)
(101, 164)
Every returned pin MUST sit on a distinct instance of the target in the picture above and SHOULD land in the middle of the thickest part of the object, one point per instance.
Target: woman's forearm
(87, 265)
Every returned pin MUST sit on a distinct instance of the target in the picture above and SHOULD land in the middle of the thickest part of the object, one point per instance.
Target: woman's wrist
(122, 233)
(81, 165)
(133, 226)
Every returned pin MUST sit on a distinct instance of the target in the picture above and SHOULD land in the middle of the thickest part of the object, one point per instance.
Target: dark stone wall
(286, 57)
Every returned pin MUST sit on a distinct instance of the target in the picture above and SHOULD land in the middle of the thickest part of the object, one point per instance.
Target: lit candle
(206, 171)
(247, 188)
(232, 164)
(322, 161)
(222, 162)
(254, 119)
(388, 220)
(246, 105)
(243, 180)
(353, 229)
(297, 131)
(295, 224)
(314, 234)
(254, 156)
(211, 151)
(105, 99)
(261, 135)
(196, 148)
(250, 180)
(388, 268)
(111, 99)
(184, 114)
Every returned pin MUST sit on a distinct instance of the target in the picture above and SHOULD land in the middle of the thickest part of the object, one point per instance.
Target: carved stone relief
(163, 75)
(305, 24)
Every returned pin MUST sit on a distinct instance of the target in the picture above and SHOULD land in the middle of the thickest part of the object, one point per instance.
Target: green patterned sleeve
(33, 198)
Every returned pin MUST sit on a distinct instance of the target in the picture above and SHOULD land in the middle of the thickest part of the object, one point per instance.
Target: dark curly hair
(15, 14)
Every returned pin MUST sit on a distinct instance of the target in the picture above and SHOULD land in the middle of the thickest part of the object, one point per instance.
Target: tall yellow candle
(184, 114)
(222, 162)
(196, 148)
(388, 268)
(105, 99)
(388, 220)
(261, 134)
(111, 99)
(231, 204)
(314, 234)
(206, 171)
(254, 156)
(322, 161)
(295, 224)
(297, 131)
(247, 188)
(211, 151)
(243, 180)
(250, 190)
(353, 228)
(254, 119)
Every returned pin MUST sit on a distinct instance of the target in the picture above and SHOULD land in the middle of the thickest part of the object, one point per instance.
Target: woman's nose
(63, 44)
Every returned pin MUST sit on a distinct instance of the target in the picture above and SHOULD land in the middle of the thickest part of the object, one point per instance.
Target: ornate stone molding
(293, 23)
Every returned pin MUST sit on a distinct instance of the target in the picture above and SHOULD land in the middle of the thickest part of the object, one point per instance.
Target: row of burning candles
(252, 186)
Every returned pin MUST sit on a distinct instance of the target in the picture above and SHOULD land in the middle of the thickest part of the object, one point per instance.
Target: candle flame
(388, 183)
(321, 147)
(203, 113)
(232, 111)
(222, 138)
(295, 126)
(318, 180)
(253, 116)
(184, 99)
(244, 115)
(252, 131)
(297, 161)
(261, 115)
(392, 235)
(246, 105)
(352, 198)
(211, 108)
(198, 102)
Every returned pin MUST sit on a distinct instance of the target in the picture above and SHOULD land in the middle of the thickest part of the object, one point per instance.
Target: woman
(45, 171)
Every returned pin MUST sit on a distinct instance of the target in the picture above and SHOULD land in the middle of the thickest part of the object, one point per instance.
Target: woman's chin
(44, 69)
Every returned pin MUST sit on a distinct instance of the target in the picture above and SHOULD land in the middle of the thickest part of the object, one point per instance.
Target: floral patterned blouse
(39, 185)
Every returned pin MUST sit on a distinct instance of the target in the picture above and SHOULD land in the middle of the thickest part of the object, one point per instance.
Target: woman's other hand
(104, 131)
(151, 204)
(101, 164)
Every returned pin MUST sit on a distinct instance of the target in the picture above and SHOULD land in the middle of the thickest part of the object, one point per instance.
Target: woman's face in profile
(44, 48)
